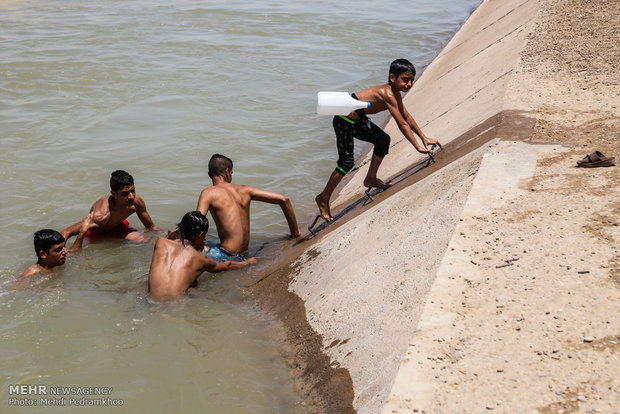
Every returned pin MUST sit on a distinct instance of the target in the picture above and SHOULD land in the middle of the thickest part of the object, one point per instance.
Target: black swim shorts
(363, 129)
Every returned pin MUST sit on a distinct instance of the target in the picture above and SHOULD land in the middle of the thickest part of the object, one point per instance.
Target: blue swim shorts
(219, 254)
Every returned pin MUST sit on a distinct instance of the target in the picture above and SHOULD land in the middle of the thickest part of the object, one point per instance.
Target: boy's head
(218, 165)
(120, 179)
(49, 246)
(192, 225)
(401, 66)
(402, 74)
(122, 187)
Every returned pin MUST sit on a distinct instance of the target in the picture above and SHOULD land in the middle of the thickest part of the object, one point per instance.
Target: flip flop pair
(596, 159)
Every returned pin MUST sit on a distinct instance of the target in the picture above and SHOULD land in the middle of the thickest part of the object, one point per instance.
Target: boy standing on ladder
(357, 125)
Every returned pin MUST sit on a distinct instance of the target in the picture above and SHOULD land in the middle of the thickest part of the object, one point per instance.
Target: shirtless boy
(49, 245)
(111, 211)
(229, 205)
(356, 124)
(177, 264)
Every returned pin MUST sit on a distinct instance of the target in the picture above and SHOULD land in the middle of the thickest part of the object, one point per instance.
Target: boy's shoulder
(166, 243)
(228, 188)
(377, 93)
(383, 86)
(218, 190)
(375, 89)
(103, 201)
(31, 271)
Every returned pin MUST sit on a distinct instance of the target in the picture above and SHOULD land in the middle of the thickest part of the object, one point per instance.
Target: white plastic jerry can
(338, 103)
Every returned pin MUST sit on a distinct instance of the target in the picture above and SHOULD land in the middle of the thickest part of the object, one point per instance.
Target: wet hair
(120, 179)
(192, 224)
(401, 66)
(218, 164)
(45, 239)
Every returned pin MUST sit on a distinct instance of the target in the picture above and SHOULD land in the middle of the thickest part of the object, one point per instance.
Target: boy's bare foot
(377, 183)
(323, 208)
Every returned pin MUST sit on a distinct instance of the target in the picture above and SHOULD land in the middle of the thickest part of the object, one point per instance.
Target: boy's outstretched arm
(285, 204)
(214, 267)
(400, 115)
(72, 230)
(414, 126)
(85, 225)
(144, 215)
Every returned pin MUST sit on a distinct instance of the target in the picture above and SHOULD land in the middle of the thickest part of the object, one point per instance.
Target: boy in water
(229, 205)
(111, 211)
(357, 125)
(177, 264)
(49, 245)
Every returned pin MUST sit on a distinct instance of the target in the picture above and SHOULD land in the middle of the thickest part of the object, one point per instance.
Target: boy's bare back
(175, 267)
(378, 96)
(177, 264)
(229, 205)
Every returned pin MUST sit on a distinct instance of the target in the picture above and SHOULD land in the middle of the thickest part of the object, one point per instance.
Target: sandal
(596, 159)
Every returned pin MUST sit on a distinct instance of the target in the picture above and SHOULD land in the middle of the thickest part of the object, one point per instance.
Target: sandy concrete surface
(489, 280)
(523, 313)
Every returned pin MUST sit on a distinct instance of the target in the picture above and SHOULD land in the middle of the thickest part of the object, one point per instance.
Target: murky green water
(155, 88)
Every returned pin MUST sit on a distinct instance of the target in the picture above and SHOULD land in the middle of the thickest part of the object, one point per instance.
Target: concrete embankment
(354, 300)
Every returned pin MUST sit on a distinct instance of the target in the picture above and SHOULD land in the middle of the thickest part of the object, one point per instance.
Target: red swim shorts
(119, 232)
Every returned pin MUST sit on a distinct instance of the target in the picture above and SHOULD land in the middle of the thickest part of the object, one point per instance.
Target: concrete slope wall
(365, 281)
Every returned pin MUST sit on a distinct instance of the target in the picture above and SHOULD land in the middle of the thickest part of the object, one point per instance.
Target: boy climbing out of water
(178, 263)
(110, 212)
(229, 205)
(49, 246)
(357, 125)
